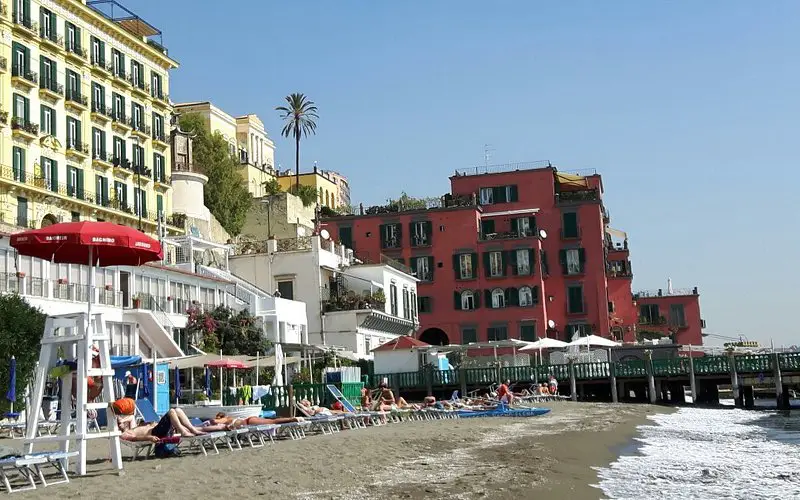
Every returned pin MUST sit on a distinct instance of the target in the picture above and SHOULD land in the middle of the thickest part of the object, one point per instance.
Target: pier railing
(721, 366)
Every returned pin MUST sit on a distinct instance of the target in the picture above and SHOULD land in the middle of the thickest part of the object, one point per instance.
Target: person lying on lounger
(387, 402)
(311, 410)
(222, 422)
(174, 421)
(430, 402)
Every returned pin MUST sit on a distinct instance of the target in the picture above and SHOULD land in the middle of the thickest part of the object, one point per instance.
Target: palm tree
(299, 116)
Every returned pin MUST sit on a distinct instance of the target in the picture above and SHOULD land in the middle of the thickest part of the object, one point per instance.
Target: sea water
(710, 454)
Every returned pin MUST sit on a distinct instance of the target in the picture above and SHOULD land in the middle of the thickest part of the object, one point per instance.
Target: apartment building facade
(85, 122)
(520, 251)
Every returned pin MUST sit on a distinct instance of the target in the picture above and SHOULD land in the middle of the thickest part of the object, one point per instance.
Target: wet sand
(546, 457)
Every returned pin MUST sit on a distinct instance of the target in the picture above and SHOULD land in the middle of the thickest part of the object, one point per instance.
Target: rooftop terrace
(514, 167)
(130, 22)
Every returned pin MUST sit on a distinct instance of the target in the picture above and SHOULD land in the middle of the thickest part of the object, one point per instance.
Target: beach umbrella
(278, 380)
(227, 363)
(145, 379)
(208, 381)
(177, 385)
(11, 395)
(545, 343)
(593, 341)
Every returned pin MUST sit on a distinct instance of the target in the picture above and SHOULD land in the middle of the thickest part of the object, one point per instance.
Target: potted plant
(62, 281)
(20, 274)
(137, 301)
(109, 288)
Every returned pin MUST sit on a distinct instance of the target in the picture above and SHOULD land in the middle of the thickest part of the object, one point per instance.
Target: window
(610, 306)
(423, 266)
(138, 156)
(98, 98)
(160, 205)
(468, 302)
(569, 227)
(73, 133)
(120, 148)
(121, 195)
(48, 78)
(73, 38)
(155, 85)
(573, 261)
(98, 52)
(649, 314)
(158, 168)
(498, 298)
(137, 113)
(73, 86)
(575, 303)
(18, 158)
(676, 315)
(469, 335)
(158, 127)
(527, 332)
(49, 174)
(413, 305)
(576, 330)
(465, 265)
(393, 298)
(47, 24)
(346, 236)
(495, 333)
(101, 190)
(286, 289)
(22, 109)
(390, 236)
(118, 62)
(421, 233)
(75, 182)
(521, 261)
(21, 60)
(22, 212)
(118, 107)
(424, 304)
(487, 227)
(495, 265)
(98, 143)
(137, 73)
(486, 196)
(544, 264)
(48, 120)
(524, 226)
(525, 296)
(140, 202)
(75, 216)
(406, 304)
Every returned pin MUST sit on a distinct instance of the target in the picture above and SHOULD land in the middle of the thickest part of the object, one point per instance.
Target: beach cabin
(400, 355)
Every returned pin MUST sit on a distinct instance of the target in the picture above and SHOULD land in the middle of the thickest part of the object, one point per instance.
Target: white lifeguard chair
(76, 335)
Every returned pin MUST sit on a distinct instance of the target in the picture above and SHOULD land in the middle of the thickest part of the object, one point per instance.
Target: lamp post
(137, 167)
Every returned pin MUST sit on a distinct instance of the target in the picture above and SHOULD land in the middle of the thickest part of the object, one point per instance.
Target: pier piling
(692, 380)
(572, 386)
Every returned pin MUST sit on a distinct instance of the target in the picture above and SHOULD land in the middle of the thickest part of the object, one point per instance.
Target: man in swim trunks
(221, 422)
(172, 421)
(504, 394)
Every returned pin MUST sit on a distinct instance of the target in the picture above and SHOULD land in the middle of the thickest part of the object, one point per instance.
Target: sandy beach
(548, 457)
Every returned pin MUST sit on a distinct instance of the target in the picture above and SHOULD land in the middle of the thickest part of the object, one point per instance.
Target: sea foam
(709, 454)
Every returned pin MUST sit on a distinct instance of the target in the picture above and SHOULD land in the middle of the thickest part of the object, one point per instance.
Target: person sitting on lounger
(174, 421)
(387, 402)
(504, 394)
(222, 422)
(553, 383)
(543, 390)
(366, 397)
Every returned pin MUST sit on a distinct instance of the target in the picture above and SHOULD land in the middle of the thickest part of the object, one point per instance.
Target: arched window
(525, 296)
(327, 199)
(467, 300)
(321, 196)
(498, 298)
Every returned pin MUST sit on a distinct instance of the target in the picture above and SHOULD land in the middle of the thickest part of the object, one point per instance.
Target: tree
(300, 116)
(227, 330)
(226, 194)
(407, 202)
(272, 187)
(21, 329)
(307, 194)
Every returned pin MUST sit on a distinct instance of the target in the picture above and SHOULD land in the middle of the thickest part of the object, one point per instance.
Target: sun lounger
(293, 430)
(22, 467)
(57, 460)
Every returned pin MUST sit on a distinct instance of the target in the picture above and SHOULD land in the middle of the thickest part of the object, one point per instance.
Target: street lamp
(137, 167)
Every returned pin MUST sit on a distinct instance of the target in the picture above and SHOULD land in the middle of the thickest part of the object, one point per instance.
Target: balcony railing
(139, 83)
(143, 171)
(102, 155)
(159, 136)
(100, 108)
(350, 300)
(509, 235)
(581, 196)
(643, 294)
(18, 123)
(77, 146)
(141, 127)
(74, 48)
(24, 73)
(118, 116)
(75, 96)
(26, 23)
(648, 320)
(446, 201)
(52, 36)
(368, 258)
(52, 86)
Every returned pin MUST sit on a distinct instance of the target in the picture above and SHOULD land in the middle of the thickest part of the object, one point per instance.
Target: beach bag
(166, 450)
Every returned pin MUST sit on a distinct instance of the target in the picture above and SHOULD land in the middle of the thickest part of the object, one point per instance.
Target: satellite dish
(543, 234)
(551, 324)
(325, 234)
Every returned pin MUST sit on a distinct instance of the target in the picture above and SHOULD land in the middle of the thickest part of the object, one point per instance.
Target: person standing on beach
(504, 394)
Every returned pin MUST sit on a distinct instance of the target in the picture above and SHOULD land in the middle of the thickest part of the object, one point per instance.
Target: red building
(512, 252)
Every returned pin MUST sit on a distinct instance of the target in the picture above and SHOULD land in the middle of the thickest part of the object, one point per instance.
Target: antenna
(487, 153)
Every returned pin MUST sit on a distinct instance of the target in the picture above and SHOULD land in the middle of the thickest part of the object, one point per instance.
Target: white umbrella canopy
(593, 341)
(545, 343)
(279, 362)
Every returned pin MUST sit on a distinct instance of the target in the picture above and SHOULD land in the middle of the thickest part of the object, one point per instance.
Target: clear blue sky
(689, 110)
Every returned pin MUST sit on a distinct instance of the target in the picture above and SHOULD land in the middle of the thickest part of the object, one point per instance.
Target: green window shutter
(503, 264)
(498, 194)
(477, 295)
(535, 294)
(26, 10)
(399, 229)
(562, 258)
(456, 266)
(71, 187)
(532, 260)
(514, 193)
(53, 122)
(582, 258)
(27, 103)
(53, 22)
(512, 261)
(78, 131)
(486, 261)
(345, 234)
(41, 116)
(474, 265)
(457, 301)
(382, 229)
(42, 72)
(570, 225)
(429, 232)
(488, 296)
(54, 175)
(430, 267)
(512, 296)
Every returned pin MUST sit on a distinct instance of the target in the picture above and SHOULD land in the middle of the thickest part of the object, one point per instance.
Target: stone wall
(284, 215)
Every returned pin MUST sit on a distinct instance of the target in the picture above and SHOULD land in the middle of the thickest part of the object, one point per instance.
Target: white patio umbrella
(545, 343)
(278, 380)
(593, 341)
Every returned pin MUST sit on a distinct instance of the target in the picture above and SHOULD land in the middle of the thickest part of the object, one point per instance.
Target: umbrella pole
(257, 356)
(221, 393)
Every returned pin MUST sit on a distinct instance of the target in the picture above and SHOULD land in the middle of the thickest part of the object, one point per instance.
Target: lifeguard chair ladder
(76, 335)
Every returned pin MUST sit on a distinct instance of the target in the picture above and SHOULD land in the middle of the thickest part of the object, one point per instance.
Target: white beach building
(349, 305)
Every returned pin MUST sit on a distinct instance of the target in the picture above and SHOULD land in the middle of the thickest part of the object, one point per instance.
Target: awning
(382, 322)
(571, 180)
(249, 361)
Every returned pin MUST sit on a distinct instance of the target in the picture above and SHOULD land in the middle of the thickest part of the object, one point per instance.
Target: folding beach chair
(22, 467)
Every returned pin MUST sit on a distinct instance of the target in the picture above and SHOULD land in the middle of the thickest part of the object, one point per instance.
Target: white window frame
(486, 196)
(574, 263)
(47, 123)
(423, 272)
(523, 226)
(19, 107)
(21, 62)
(47, 172)
(508, 192)
(72, 131)
(70, 36)
(523, 262)
(467, 300)
(495, 264)
(46, 26)
(465, 270)
(119, 148)
(73, 84)
(96, 56)
(116, 58)
(498, 298)
(525, 296)
(420, 236)
(390, 236)
(46, 73)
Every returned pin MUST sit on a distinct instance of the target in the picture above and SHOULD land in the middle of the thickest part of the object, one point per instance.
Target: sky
(688, 109)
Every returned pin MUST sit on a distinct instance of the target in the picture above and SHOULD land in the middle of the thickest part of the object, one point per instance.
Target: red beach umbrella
(91, 243)
(227, 363)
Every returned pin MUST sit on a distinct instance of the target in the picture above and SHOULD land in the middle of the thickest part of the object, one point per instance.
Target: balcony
(102, 160)
(140, 130)
(75, 101)
(74, 52)
(77, 150)
(24, 26)
(160, 140)
(139, 87)
(100, 113)
(120, 122)
(142, 171)
(51, 90)
(652, 321)
(344, 299)
(23, 78)
(119, 75)
(24, 129)
(670, 292)
(510, 235)
(100, 68)
(446, 201)
(577, 197)
(160, 99)
(122, 166)
(51, 40)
